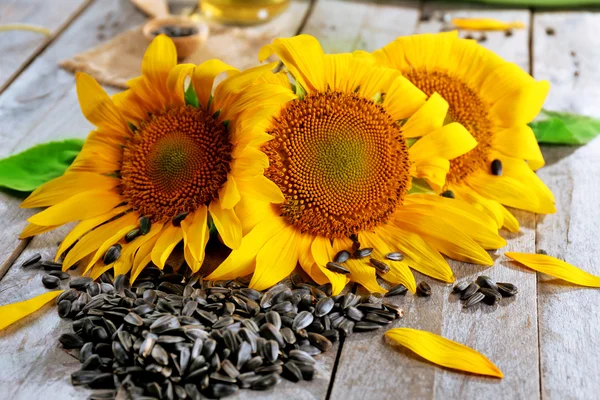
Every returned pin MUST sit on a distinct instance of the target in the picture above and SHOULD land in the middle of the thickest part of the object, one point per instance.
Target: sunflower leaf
(190, 97)
(565, 128)
(37, 165)
(444, 352)
(556, 268)
(420, 186)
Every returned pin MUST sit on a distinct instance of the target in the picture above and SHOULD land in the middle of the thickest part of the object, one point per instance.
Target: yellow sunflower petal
(402, 99)
(504, 189)
(33, 230)
(486, 24)
(444, 352)
(523, 106)
(204, 77)
(364, 274)
(510, 222)
(250, 164)
(426, 119)
(195, 236)
(128, 223)
(11, 313)
(399, 271)
(261, 188)
(67, 186)
(227, 223)
(229, 193)
(449, 141)
(251, 212)
(519, 142)
(81, 206)
(433, 170)
(420, 255)
(126, 262)
(446, 238)
(160, 58)
(168, 239)
(303, 57)
(276, 260)
(176, 82)
(322, 252)
(242, 260)
(143, 256)
(556, 268)
(96, 105)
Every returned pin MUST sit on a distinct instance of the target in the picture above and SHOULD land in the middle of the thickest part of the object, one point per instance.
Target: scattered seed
(380, 266)
(50, 281)
(336, 267)
(341, 257)
(396, 290)
(550, 31)
(507, 289)
(423, 289)
(394, 256)
(362, 253)
(474, 299)
(460, 287)
(486, 282)
(176, 221)
(32, 260)
(469, 291)
(491, 296)
(496, 167)
(448, 194)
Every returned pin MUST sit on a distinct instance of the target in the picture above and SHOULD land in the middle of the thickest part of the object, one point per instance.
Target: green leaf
(299, 90)
(33, 167)
(190, 96)
(565, 128)
(420, 186)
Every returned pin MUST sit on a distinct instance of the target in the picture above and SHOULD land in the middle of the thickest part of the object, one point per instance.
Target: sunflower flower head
(494, 100)
(158, 168)
(340, 169)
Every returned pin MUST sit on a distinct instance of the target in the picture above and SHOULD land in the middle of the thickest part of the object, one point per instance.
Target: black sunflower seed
(365, 326)
(112, 254)
(80, 282)
(486, 282)
(341, 257)
(447, 193)
(70, 341)
(491, 296)
(396, 290)
(469, 291)
(507, 289)
(423, 289)
(49, 266)
(32, 260)
(176, 221)
(336, 267)
(362, 253)
(460, 287)
(50, 281)
(145, 225)
(64, 308)
(302, 320)
(291, 372)
(394, 256)
(131, 235)
(266, 382)
(324, 306)
(380, 266)
(496, 167)
(474, 299)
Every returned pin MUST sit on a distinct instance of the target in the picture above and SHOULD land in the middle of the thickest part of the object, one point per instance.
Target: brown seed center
(340, 161)
(177, 161)
(467, 108)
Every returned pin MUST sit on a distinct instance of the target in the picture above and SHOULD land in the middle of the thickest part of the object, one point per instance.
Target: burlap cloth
(118, 60)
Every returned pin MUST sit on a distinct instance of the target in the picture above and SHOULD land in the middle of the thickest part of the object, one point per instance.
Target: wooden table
(546, 340)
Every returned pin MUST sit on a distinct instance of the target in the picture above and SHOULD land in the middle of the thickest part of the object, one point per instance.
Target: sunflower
(159, 168)
(494, 100)
(340, 170)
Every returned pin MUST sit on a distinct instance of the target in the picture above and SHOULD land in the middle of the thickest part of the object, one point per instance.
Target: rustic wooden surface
(546, 340)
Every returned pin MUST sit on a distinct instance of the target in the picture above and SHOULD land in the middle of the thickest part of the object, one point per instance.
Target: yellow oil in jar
(242, 12)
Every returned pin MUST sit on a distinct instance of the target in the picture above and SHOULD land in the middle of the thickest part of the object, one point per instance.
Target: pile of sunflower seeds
(484, 289)
(172, 337)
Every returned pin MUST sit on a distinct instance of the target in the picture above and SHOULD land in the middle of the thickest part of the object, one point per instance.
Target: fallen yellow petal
(11, 313)
(485, 24)
(444, 352)
(556, 268)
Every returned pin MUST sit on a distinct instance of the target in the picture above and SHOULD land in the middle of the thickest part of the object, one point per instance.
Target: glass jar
(242, 12)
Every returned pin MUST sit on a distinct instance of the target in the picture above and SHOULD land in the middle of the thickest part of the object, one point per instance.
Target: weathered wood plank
(370, 368)
(568, 315)
(19, 47)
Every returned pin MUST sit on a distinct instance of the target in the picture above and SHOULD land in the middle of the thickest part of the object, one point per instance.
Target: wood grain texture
(371, 368)
(568, 315)
(19, 47)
